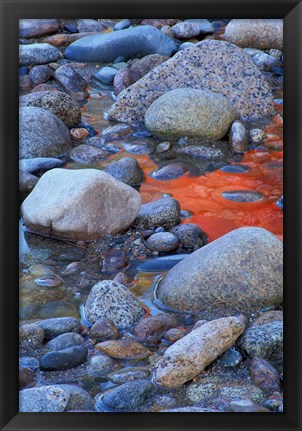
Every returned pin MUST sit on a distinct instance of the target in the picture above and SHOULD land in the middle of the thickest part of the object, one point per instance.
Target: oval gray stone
(64, 359)
(30, 28)
(242, 269)
(37, 53)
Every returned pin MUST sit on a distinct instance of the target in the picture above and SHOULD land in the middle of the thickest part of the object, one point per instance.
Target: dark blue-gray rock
(121, 25)
(41, 134)
(127, 170)
(23, 70)
(114, 301)
(190, 112)
(127, 396)
(162, 242)
(117, 131)
(72, 82)
(80, 204)
(29, 362)
(130, 43)
(59, 103)
(160, 264)
(215, 274)
(54, 399)
(63, 341)
(264, 61)
(204, 25)
(106, 74)
(31, 336)
(88, 154)
(37, 53)
(98, 365)
(235, 169)
(264, 375)
(40, 163)
(264, 341)
(170, 170)
(31, 28)
(243, 196)
(247, 406)
(88, 25)
(40, 74)
(59, 325)
(189, 235)
(255, 33)
(238, 139)
(163, 212)
(230, 358)
(27, 183)
(64, 359)
(209, 65)
(26, 377)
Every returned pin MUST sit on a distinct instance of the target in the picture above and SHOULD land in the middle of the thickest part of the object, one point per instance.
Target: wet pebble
(126, 375)
(40, 74)
(98, 365)
(72, 268)
(29, 362)
(154, 327)
(230, 358)
(121, 25)
(185, 214)
(127, 396)
(64, 359)
(264, 375)
(60, 325)
(170, 171)
(116, 132)
(273, 403)
(103, 329)
(125, 348)
(163, 212)
(31, 336)
(114, 260)
(40, 163)
(160, 264)
(238, 140)
(87, 154)
(163, 146)
(234, 169)
(163, 242)
(174, 334)
(72, 82)
(138, 148)
(79, 133)
(243, 196)
(106, 74)
(127, 170)
(264, 61)
(48, 281)
(189, 235)
(247, 406)
(257, 135)
(91, 129)
(65, 340)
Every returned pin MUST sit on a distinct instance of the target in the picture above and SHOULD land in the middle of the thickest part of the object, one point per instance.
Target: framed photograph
(156, 234)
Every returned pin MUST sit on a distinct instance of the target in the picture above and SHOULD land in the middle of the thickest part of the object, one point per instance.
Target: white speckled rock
(190, 112)
(113, 301)
(190, 355)
(37, 53)
(80, 204)
(255, 33)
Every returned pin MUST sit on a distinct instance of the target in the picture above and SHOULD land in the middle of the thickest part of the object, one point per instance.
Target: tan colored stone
(125, 348)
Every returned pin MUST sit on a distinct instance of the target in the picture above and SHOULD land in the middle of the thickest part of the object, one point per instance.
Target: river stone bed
(125, 302)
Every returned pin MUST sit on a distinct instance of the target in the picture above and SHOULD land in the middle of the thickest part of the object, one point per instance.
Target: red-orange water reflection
(203, 195)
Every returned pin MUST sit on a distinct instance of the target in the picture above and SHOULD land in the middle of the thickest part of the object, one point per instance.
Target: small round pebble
(162, 242)
(257, 135)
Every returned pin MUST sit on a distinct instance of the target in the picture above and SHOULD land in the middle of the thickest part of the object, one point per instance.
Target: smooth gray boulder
(190, 355)
(58, 103)
(41, 134)
(37, 53)
(161, 213)
(30, 28)
(190, 112)
(80, 204)
(134, 42)
(208, 65)
(255, 33)
(242, 270)
(113, 301)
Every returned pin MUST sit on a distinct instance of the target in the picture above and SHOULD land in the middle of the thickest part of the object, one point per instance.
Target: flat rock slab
(255, 33)
(208, 65)
(130, 43)
(243, 270)
(80, 204)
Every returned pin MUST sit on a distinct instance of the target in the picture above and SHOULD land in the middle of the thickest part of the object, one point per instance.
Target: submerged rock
(98, 205)
(255, 33)
(209, 65)
(190, 112)
(41, 134)
(214, 274)
(130, 43)
(113, 301)
(189, 356)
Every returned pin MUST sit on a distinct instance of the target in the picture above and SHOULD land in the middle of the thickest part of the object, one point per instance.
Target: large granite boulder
(80, 204)
(130, 43)
(190, 112)
(255, 33)
(208, 65)
(242, 270)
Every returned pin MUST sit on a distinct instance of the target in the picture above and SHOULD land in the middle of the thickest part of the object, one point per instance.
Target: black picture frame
(11, 12)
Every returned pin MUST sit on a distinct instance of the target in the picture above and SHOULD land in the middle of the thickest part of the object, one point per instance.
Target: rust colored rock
(154, 326)
(190, 355)
(103, 329)
(125, 348)
(264, 375)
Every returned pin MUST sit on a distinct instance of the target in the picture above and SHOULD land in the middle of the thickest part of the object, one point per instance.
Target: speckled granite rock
(190, 112)
(190, 355)
(37, 53)
(242, 270)
(114, 301)
(209, 65)
(255, 33)
(163, 212)
(98, 205)
(30, 28)
(58, 103)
